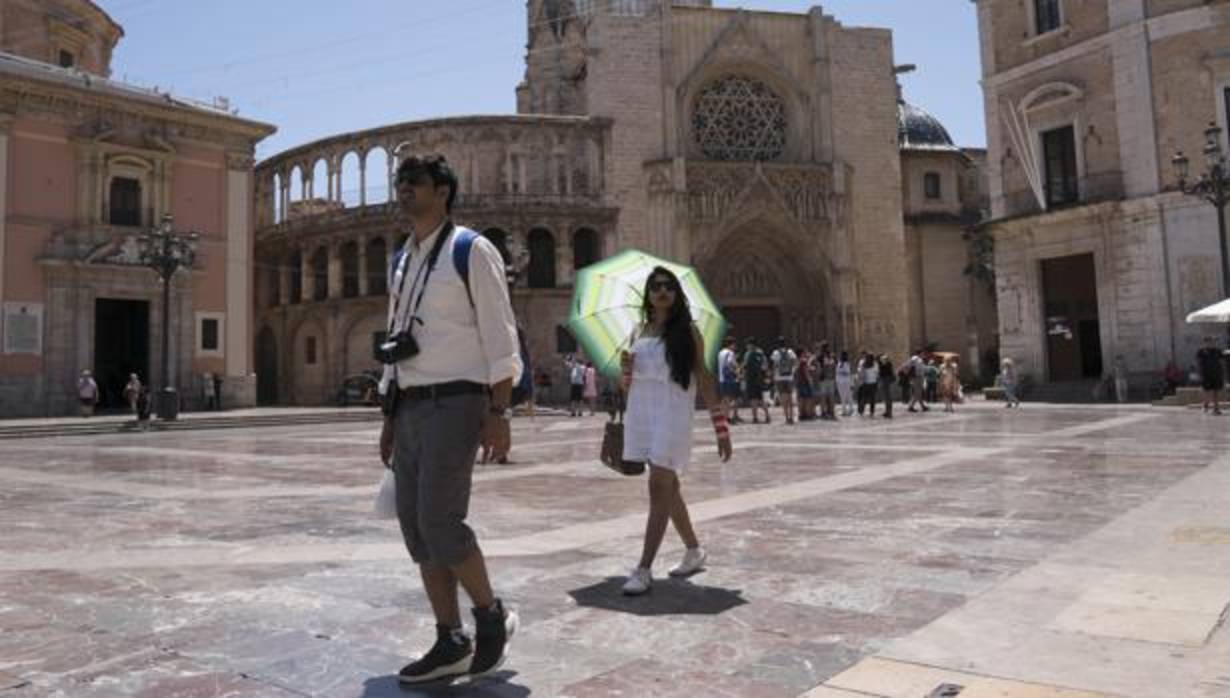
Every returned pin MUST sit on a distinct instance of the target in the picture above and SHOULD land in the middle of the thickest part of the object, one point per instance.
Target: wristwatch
(505, 413)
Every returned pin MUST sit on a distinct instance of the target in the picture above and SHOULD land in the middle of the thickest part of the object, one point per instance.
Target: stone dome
(919, 130)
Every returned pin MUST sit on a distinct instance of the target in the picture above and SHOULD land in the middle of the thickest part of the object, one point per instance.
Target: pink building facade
(86, 165)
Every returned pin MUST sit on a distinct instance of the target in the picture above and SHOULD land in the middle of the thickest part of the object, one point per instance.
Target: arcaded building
(1097, 256)
(87, 164)
(763, 148)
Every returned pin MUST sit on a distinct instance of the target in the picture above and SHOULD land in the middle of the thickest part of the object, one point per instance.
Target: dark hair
(434, 166)
(676, 331)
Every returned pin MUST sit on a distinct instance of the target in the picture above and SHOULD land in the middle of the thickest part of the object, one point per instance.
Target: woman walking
(869, 377)
(1008, 381)
(949, 383)
(663, 371)
(845, 387)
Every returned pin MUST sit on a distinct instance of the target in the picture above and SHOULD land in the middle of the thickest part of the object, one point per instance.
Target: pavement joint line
(544, 542)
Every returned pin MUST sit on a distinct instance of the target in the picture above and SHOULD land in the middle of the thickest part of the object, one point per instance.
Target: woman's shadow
(670, 596)
(497, 685)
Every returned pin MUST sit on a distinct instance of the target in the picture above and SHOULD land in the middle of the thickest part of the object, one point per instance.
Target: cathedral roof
(919, 130)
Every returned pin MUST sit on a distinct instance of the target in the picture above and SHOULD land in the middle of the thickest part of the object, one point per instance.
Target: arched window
(377, 267)
(542, 259)
(320, 274)
(931, 185)
(296, 278)
(585, 249)
(499, 238)
(350, 270)
(739, 118)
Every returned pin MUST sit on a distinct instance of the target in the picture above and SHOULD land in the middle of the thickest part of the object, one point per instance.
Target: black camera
(398, 347)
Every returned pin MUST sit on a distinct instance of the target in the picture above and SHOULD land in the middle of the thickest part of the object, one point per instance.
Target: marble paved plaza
(1046, 551)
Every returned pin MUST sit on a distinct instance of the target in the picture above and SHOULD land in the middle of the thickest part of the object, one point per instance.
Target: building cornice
(26, 84)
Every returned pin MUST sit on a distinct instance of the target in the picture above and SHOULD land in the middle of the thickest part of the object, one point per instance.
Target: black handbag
(612, 455)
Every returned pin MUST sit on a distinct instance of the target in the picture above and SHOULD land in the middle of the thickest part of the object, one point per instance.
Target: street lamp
(1214, 187)
(165, 251)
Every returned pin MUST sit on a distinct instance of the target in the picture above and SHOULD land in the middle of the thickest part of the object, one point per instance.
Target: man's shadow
(497, 685)
(667, 597)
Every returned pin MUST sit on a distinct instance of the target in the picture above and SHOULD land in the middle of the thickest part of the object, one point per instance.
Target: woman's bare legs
(681, 518)
(663, 489)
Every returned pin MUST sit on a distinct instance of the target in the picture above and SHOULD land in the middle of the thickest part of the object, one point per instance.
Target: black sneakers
(449, 658)
(494, 627)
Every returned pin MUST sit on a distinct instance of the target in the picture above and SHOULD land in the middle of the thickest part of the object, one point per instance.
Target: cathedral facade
(764, 148)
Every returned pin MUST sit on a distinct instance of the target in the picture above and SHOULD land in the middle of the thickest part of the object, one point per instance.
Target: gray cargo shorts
(434, 447)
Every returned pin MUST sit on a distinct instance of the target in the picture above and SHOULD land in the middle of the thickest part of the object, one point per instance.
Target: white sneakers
(639, 581)
(693, 561)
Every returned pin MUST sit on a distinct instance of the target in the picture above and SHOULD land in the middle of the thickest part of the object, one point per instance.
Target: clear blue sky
(315, 69)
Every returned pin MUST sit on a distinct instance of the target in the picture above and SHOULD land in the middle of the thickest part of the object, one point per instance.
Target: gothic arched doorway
(767, 288)
(266, 368)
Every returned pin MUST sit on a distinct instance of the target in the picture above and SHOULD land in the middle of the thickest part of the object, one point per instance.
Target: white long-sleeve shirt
(456, 341)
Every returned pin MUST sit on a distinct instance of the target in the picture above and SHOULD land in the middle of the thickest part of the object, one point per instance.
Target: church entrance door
(121, 347)
(760, 321)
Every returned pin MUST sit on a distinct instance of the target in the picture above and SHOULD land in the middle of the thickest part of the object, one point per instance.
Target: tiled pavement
(1047, 551)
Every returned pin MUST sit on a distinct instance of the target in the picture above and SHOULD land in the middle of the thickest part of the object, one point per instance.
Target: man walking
(754, 367)
(450, 362)
(785, 361)
(728, 379)
(576, 386)
(1212, 373)
(87, 392)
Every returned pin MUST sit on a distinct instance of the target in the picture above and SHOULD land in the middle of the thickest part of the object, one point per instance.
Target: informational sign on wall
(23, 328)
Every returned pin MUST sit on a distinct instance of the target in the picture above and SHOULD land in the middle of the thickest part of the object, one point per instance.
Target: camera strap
(423, 273)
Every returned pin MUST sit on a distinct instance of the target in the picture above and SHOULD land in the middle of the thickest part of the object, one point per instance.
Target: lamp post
(1214, 187)
(165, 251)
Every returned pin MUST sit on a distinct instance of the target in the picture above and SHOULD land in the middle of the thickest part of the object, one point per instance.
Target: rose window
(739, 118)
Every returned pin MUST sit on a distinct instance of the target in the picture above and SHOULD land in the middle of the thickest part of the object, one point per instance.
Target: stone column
(362, 179)
(307, 282)
(362, 242)
(238, 263)
(6, 121)
(335, 270)
(284, 279)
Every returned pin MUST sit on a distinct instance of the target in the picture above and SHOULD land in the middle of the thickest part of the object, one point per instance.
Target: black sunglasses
(663, 285)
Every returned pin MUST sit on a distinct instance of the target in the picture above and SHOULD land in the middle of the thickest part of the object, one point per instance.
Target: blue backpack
(463, 243)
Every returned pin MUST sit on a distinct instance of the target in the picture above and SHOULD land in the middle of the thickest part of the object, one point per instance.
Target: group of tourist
(826, 382)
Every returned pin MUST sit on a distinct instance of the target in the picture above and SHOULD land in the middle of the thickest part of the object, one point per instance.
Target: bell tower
(555, 59)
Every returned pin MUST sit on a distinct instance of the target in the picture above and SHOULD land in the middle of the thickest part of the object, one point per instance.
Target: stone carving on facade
(806, 192)
(121, 251)
(713, 189)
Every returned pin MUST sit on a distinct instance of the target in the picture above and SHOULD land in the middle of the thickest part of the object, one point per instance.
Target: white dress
(658, 422)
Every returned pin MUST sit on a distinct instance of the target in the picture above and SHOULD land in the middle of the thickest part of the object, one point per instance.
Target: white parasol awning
(1218, 312)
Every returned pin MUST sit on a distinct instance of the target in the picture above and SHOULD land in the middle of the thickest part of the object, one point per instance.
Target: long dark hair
(676, 331)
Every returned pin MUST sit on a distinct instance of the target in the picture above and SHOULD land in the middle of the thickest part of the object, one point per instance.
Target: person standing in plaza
(804, 384)
(450, 362)
(132, 391)
(886, 386)
(590, 393)
(949, 383)
(1212, 374)
(933, 380)
(576, 386)
(728, 379)
(207, 386)
(1009, 382)
(845, 385)
(666, 365)
(785, 361)
(1119, 374)
(826, 370)
(869, 381)
(916, 371)
(754, 367)
(87, 392)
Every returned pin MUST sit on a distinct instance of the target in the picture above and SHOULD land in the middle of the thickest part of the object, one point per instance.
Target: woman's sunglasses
(663, 285)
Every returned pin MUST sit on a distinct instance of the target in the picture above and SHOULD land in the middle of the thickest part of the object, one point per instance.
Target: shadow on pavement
(667, 597)
(496, 685)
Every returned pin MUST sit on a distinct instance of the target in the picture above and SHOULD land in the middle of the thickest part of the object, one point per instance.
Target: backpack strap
(463, 244)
